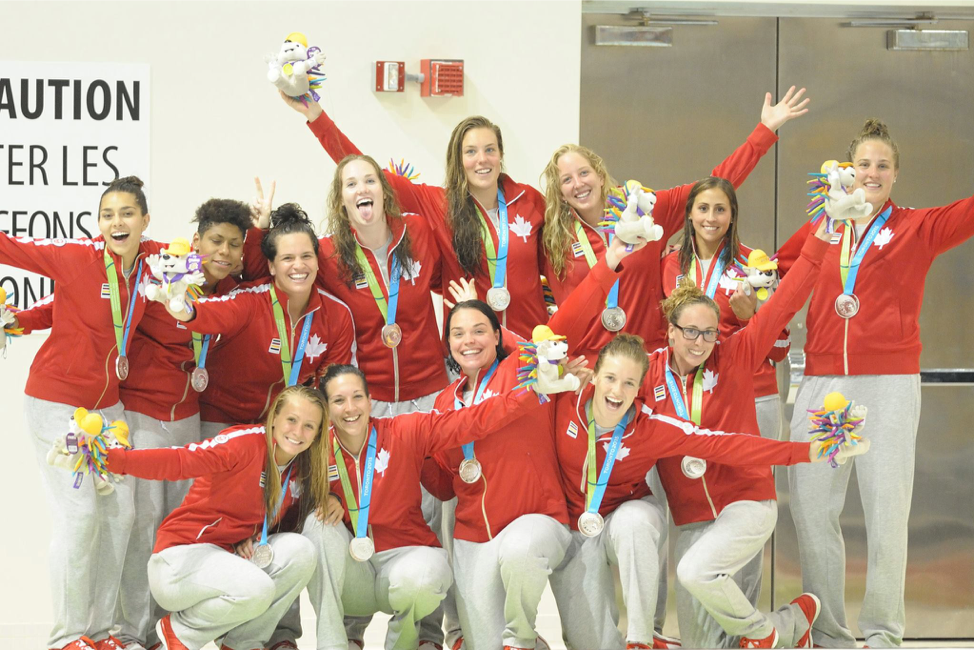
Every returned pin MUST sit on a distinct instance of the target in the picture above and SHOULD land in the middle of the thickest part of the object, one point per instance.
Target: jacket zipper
(703, 479)
(108, 377)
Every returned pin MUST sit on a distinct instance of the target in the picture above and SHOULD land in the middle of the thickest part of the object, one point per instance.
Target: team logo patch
(296, 489)
(382, 462)
(105, 291)
(275, 347)
(360, 281)
(577, 249)
(572, 430)
(836, 238)
(678, 278)
(659, 393)
(332, 473)
(263, 478)
(222, 438)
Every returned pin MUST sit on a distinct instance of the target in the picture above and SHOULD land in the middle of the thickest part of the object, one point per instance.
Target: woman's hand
(618, 250)
(261, 206)
(465, 290)
(787, 109)
(311, 110)
(332, 512)
(744, 302)
(245, 549)
(579, 367)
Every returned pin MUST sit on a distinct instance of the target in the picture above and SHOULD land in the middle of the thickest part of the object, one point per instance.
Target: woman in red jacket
(97, 305)
(486, 225)
(385, 557)
(220, 564)
(285, 329)
(864, 339)
(577, 186)
(724, 514)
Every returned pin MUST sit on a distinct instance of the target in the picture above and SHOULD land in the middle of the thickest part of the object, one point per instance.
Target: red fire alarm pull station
(441, 78)
(389, 76)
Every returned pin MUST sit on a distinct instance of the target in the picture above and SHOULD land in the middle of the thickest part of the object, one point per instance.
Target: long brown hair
(875, 129)
(461, 211)
(339, 226)
(732, 241)
(311, 466)
(559, 222)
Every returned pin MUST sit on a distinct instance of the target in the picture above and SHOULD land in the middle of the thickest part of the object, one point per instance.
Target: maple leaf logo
(487, 393)
(709, 381)
(728, 284)
(315, 347)
(883, 237)
(521, 228)
(143, 283)
(382, 461)
(295, 489)
(622, 453)
(412, 273)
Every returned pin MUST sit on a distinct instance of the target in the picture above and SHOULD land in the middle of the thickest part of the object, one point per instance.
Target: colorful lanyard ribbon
(201, 344)
(677, 395)
(477, 398)
(121, 331)
(388, 311)
(280, 502)
(613, 300)
(848, 271)
(291, 372)
(496, 262)
(716, 272)
(596, 488)
(360, 513)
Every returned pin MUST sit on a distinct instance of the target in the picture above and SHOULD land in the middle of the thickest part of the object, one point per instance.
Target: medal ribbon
(848, 271)
(395, 275)
(677, 395)
(200, 346)
(121, 331)
(496, 262)
(291, 372)
(716, 272)
(477, 398)
(360, 513)
(280, 502)
(613, 299)
(596, 488)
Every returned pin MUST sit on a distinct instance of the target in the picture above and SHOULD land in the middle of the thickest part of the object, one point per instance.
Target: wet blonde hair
(559, 222)
(686, 294)
(875, 129)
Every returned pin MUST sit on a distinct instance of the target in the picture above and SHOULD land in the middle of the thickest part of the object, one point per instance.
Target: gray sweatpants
(583, 585)
(212, 592)
(885, 478)
(212, 429)
(714, 608)
(500, 582)
(407, 582)
(768, 410)
(154, 500)
(84, 526)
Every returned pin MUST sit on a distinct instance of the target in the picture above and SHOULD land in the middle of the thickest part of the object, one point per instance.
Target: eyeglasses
(692, 333)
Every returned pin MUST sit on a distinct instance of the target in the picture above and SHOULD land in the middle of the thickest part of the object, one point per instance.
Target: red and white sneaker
(810, 606)
(769, 641)
(286, 644)
(661, 642)
(632, 645)
(457, 645)
(111, 643)
(84, 643)
(540, 644)
(356, 644)
(167, 637)
(429, 645)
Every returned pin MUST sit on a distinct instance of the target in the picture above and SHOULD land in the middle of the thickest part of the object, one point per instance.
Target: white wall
(216, 123)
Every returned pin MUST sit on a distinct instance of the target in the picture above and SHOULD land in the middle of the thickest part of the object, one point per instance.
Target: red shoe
(356, 643)
(84, 643)
(157, 646)
(111, 643)
(661, 642)
(167, 638)
(810, 606)
(769, 641)
(457, 644)
(638, 646)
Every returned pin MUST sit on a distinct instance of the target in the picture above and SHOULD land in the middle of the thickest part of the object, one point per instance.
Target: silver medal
(263, 556)
(693, 467)
(200, 379)
(847, 305)
(498, 298)
(122, 368)
(590, 524)
(361, 549)
(391, 335)
(613, 318)
(470, 470)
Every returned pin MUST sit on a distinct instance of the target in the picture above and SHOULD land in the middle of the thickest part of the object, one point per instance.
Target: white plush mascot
(760, 274)
(635, 221)
(841, 204)
(294, 70)
(541, 364)
(84, 450)
(176, 269)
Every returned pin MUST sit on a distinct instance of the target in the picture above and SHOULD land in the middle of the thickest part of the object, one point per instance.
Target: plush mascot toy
(541, 364)
(630, 214)
(295, 69)
(8, 314)
(84, 450)
(759, 274)
(832, 193)
(176, 271)
(837, 425)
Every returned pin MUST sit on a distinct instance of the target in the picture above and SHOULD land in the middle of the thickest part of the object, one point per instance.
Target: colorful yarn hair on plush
(93, 447)
(819, 191)
(834, 426)
(527, 373)
(617, 201)
(404, 169)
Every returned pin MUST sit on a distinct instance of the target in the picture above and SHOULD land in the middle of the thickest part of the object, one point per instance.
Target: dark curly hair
(285, 220)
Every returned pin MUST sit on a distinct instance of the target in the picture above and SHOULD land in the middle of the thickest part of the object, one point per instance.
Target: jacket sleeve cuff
(762, 138)
(116, 461)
